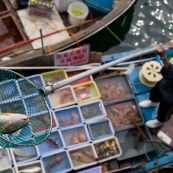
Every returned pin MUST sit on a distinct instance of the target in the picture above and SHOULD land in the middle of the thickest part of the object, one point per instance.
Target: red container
(10, 32)
(4, 8)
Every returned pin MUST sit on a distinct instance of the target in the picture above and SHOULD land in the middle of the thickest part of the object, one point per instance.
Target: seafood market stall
(93, 129)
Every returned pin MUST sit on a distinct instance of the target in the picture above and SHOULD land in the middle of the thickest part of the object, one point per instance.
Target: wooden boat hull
(36, 57)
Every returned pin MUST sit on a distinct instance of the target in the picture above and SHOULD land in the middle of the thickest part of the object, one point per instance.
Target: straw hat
(150, 73)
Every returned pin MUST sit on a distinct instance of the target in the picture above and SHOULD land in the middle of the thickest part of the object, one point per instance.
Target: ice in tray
(114, 87)
(5, 160)
(63, 97)
(52, 143)
(107, 149)
(54, 76)
(68, 117)
(86, 92)
(123, 113)
(100, 129)
(92, 110)
(25, 154)
(75, 136)
(30, 167)
(58, 162)
(83, 156)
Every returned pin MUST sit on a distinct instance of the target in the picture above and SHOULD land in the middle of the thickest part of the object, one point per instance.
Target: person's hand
(161, 51)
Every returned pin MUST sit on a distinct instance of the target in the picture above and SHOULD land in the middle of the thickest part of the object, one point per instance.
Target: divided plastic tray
(114, 87)
(75, 136)
(92, 110)
(51, 165)
(52, 144)
(133, 146)
(100, 129)
(86, 92)
(123, 113)
(83, 156)
(107, 149)
(68, 117)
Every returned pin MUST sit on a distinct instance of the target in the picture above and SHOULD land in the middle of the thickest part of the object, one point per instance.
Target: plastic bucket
(78, 12)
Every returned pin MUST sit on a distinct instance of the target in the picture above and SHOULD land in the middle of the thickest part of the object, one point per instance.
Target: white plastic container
(77, 12)
(62, 5)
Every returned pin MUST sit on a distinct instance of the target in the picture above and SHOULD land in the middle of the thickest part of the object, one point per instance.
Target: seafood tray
(148, 113)
(4, 9)
(38, 81)
(10, 170)
(52, 144)
(54, 76)
(114, 88)
(92, 110)
(96, 169)
(122, 113)
(86, 92)
(24, 85)
(5, 159)
(36, 100)
(133, 144)
(75, 136)
(107, 149)
(24, 154)
(56, 163)
(10, 90)
(83, 156)
(68, 117)
(63, 97)
(81, 81)
(16, 106)
(31, 167)
(100, 129)
(55, 124)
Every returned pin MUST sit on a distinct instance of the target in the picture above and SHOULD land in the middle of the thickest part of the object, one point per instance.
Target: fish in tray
(53, 142)
(32, 169)
(21, 155)
(55, 160)
(78, 138)
(10, 122)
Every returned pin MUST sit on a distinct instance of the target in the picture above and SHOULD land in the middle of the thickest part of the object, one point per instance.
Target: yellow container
(86, 92)
(54, 76)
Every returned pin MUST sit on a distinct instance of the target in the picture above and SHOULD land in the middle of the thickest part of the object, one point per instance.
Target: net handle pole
(50, 88)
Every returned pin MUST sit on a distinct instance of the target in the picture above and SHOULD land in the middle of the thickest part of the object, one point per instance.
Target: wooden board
(33, 23)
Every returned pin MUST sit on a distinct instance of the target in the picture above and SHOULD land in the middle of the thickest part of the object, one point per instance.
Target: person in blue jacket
(162, 92)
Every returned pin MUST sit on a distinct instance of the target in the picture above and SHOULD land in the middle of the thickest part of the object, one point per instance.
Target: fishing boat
(31, 43)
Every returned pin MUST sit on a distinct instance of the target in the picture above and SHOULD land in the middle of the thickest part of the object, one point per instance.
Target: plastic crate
(5, 161)
(107, 149)
(27, 88)
(100, 5)
(121, 114)
(62, 166)
(114, 88)
(100, 129)
(9, 90)
(38, 101)
(68, 117)
(24, 154)
(54, 76)
(86, 92)
(92, 110)
(30, 165)
(63, 97)
(81, 81)
(4, 9)
(132, 148)
(87, 156)
(75, 136)
(96, 169)
(52, 144)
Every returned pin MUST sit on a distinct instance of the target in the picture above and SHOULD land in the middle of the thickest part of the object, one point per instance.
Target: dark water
(147, 22)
